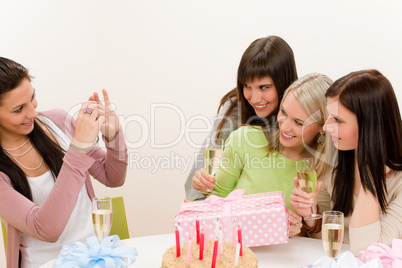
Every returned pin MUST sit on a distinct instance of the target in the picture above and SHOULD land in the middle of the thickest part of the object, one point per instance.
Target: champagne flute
(308, 183)
(332, 232)
(102, 216)
(212, 161)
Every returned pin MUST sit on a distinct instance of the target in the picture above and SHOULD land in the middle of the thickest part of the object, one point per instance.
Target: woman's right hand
(202, 181)
(87, 126)
(300, 200)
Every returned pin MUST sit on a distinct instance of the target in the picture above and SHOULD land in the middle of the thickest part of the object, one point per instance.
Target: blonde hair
(310, 91)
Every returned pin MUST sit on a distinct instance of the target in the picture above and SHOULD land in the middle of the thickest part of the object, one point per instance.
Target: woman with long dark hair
(46, 160)
(266, 69)
(366, 184)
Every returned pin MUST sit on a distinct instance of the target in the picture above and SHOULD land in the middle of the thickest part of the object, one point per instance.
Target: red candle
(197, 229)
(177, 243)
(214, 254)
(240, 241)
(201, 246)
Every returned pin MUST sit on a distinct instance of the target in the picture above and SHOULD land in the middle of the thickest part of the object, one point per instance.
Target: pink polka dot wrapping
(263, 217)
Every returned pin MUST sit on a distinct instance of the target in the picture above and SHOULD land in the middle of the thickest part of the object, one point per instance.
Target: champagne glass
(308, 183)
(102, 216)
(332, 232)
(212, 161)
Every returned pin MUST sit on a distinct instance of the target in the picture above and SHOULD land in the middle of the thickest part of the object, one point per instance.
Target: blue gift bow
(96, 255)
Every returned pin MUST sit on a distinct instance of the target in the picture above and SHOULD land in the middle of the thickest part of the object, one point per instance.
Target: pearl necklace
(35, 168)
(12, 149)
(21, 153)
(12, 155)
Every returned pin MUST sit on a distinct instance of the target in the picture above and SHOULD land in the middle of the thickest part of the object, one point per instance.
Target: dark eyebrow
(20, 105)
(265, 85)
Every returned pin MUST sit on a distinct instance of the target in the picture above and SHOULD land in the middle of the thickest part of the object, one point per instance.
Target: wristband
(85, 149)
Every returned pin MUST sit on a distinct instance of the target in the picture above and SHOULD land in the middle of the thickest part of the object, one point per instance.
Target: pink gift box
(263, 217)
(390, 257)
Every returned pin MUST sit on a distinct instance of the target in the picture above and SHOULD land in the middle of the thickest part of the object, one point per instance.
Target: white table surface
(298, 252)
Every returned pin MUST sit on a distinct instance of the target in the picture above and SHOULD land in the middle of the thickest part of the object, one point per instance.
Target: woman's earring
(321, 138)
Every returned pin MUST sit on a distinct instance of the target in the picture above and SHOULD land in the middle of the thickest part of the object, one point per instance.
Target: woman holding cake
(258, 162)
(46, 160)
(266, 69)
(366, 184)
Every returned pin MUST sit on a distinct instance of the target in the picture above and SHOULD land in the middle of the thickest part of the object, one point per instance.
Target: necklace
(35, 168)
(12, 149)
(21, 153)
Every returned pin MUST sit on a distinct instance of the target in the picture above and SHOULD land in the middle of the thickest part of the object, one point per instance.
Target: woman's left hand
(295, 223)
(111, 125)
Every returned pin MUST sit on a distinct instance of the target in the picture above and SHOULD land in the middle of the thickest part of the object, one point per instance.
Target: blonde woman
(260, 160)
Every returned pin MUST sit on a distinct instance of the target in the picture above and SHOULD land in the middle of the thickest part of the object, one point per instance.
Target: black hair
(12, 74)
(370, 96)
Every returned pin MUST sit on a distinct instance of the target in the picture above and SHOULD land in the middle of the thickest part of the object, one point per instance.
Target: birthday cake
(226, 259)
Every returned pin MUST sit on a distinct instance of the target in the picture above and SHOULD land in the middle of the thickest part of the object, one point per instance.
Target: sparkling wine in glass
(332, 232)
(212, 161)
(102, 216)
(307, 177)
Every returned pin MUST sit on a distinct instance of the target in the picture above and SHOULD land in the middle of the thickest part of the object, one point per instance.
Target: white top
(36, 252)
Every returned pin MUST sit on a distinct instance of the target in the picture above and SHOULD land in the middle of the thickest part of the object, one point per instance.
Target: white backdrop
(166, 64)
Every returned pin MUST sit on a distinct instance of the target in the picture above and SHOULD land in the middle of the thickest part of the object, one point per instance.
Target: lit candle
(234, 233)
(206, 240)
(214, 255)
(240, 240)
(197, 230)
(189, 246)
(201, 246)
(237, 254)
(177, 242)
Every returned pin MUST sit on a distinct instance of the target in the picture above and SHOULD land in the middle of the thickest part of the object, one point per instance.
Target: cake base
(248, 260)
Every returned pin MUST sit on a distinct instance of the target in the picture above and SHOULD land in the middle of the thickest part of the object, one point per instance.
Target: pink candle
(220, 240)
(177, 243)
(214, 254)
(234, 234)
(189, 246)
(201, 246)
(218, 255)
(206, 240)
(240, 241)
(197, 229)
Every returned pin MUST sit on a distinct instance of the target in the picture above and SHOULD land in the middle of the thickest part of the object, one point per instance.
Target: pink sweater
(47, 222)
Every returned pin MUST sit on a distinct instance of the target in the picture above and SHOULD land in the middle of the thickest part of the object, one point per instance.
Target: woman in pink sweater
(46, 160)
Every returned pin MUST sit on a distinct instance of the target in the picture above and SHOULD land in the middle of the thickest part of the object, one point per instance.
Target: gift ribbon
(213, 202)
(219, 201)
(347, 259)
(103, 255)
(390, 257)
